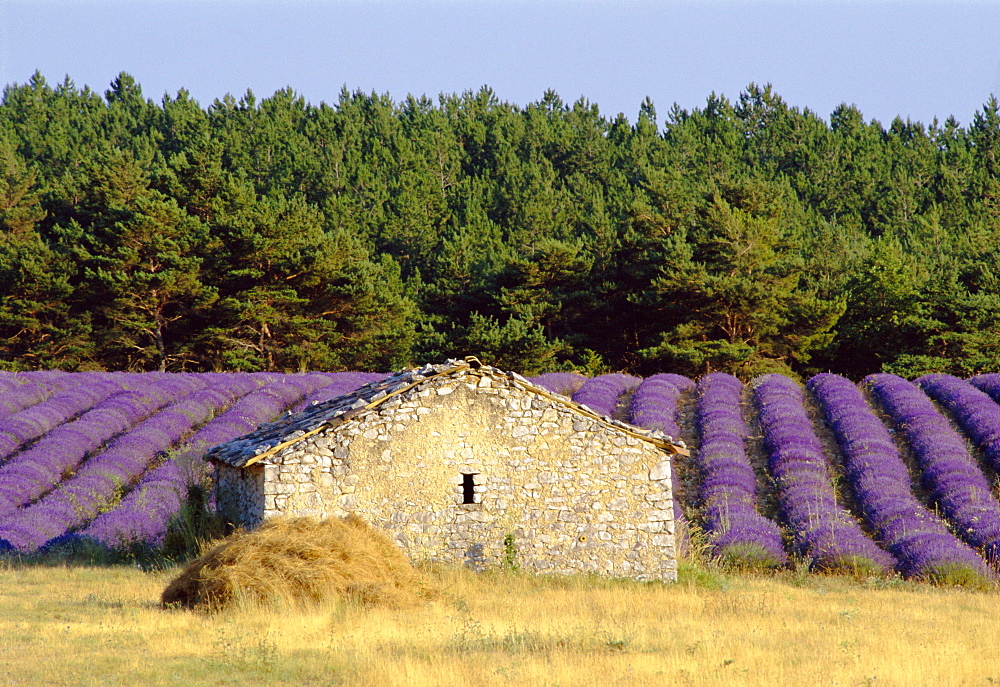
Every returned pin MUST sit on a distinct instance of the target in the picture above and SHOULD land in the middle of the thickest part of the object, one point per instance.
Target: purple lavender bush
(654, 406)
(33, 472)
(680, 381)
(601, 393)
(825, 533)
(737, 532)
(948, 471)
(654, 403)
(974, 410)
(880, 481)
(989, 384)
(144, 514)
(564, 383)
(34, 421)
(103, 478)
(18, 393)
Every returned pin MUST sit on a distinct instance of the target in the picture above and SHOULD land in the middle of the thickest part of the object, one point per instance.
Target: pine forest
(745, 237)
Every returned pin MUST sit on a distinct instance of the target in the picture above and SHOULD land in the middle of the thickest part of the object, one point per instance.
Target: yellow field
(80, 625)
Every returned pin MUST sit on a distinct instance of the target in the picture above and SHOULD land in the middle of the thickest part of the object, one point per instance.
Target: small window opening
(469, 487)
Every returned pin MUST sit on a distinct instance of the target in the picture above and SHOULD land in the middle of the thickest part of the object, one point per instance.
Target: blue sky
(914, 59)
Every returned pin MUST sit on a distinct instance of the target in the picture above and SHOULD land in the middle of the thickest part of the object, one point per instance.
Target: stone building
(465, 463)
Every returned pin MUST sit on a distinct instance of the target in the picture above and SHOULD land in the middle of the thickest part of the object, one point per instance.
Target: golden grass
(299, 562)
(77, 625)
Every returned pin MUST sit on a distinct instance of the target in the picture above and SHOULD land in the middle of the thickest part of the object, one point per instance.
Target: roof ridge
(336, 411)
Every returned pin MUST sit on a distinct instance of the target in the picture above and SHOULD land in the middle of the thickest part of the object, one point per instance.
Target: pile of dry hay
(299, 562)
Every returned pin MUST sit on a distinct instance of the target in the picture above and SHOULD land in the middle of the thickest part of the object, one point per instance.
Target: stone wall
(239, 494)
(550, 488)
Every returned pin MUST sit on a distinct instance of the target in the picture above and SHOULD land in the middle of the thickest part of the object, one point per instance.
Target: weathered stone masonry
(452, 464)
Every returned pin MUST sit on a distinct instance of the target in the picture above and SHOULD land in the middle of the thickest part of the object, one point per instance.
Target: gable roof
(271, 438)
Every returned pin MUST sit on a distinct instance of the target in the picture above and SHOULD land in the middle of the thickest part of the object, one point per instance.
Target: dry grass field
(103, 626)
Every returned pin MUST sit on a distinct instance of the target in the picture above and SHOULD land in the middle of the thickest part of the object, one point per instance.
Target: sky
(918, 60)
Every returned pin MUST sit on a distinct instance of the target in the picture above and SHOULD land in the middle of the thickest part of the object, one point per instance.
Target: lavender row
(921, 542)
(654, 403)
(145, 512)
(948, 471)
(975, 411)
(989, 384)
(19, 390)
(17, 393)
(34, 421)
(824, 532)
(102, 478)
(737, 532)
(564, 383)
(142, 516)
(56, 379)
(601, 393)
(654, 406)
(33, 472)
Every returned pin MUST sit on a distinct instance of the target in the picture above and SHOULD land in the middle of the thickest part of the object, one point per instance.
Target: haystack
(299, 562)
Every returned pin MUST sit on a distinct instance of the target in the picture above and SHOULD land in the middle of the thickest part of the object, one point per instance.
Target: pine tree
(295, 297)
(731, 294)
(37, 329)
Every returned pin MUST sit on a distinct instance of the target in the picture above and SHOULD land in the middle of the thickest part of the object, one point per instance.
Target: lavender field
(888, 476)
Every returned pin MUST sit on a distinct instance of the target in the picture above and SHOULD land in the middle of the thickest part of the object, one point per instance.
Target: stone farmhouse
(462, 462)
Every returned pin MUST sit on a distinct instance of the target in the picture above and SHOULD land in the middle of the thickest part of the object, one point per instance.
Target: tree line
(746, 236)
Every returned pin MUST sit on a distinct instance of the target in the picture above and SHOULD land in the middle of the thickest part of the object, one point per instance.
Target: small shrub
(748, 557)
(955, 575)
(701, 575)
(509, 560)
(194, 525)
